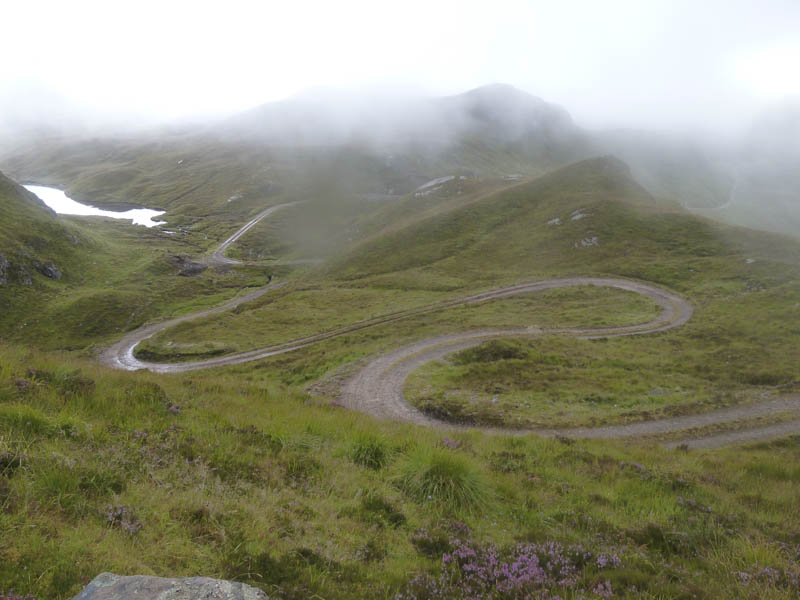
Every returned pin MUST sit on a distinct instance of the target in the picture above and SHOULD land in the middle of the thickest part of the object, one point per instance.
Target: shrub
(437, 475)
(370, 452)
(69, 383)
(492, 351)
(378, 511)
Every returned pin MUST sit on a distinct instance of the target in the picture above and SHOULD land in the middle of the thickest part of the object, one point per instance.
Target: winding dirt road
(377, 389)
(217, 256)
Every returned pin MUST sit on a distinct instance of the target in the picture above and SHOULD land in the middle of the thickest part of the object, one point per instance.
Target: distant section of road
(217, 256)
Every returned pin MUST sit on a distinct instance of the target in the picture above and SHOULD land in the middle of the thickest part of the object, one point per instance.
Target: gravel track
(377, 388)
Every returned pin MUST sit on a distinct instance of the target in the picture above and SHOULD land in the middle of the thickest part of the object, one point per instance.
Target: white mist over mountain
(658, 64)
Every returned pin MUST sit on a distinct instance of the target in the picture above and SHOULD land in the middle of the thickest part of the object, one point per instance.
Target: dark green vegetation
(254, 473)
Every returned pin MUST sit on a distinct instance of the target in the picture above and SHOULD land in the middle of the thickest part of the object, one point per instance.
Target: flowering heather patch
(777, 578)
(523, 571)
(11, 595)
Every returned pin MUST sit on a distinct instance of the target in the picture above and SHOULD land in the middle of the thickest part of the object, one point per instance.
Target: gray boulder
(47, 269)
(108, 586)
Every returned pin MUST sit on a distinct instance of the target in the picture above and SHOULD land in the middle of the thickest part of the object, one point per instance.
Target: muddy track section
(377, 389)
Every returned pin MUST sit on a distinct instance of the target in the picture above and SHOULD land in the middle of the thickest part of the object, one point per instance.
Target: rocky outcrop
(48, 269)
(4, 264)
(187, 267)
(20, 271)
(108, 586)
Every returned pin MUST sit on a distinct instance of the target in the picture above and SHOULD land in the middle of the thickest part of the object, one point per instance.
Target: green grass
(292, 313)
(251, 480)
(241, 473)
(445, 478)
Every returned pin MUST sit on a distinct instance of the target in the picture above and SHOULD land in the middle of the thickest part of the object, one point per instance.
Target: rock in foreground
(108, 586)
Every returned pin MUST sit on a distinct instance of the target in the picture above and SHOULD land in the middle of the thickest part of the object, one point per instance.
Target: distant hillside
(591, 216)
(767, 193)
(495, 128)
(341, 149)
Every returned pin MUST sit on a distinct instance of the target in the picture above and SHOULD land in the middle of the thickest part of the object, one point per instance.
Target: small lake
(63, 205)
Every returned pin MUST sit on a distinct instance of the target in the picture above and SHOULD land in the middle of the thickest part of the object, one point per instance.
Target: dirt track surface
(217, 256)
(377, 389)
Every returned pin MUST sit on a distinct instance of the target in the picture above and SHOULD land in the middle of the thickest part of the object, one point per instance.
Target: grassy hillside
(254, 472)
(586, 219)
(31, 238)
(71, 283)
(233, 474)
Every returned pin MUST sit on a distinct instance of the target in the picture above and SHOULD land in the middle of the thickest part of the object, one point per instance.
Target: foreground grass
(235, 474)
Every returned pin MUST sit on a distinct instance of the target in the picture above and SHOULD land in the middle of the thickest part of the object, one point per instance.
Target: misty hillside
(336, 148)
(590, 216)
(500, 118)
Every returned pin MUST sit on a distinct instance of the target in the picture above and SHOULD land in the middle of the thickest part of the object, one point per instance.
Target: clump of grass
(441, 476)
(370, 452)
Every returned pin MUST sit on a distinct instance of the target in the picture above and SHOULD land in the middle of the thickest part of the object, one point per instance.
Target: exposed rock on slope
(31, 238)
(108, 586)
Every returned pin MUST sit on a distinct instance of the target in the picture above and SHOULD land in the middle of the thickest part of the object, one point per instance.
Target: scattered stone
(578, 214)
(108, 586)
(587, 242)
(25, 277)
(435, 182)
(450, 443)
(556, 221)
(749, 261)
(174, 409)
(632, 465)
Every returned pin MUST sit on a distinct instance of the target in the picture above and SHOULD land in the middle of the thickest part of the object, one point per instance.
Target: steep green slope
(33, 244)
(70, 282)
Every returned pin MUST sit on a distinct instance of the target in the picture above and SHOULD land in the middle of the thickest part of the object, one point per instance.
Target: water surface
(64, 205)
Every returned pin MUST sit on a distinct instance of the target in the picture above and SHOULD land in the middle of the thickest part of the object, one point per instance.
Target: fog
(661, 64)
(699, 99)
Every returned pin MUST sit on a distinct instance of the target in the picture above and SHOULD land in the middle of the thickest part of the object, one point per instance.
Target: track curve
(675, 311)
(377, 388)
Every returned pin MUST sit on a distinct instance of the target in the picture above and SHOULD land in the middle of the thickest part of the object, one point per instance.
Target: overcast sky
(699, 63)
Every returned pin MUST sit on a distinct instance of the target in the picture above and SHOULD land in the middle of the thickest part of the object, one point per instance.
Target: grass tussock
(439, 476)
(370, 452)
